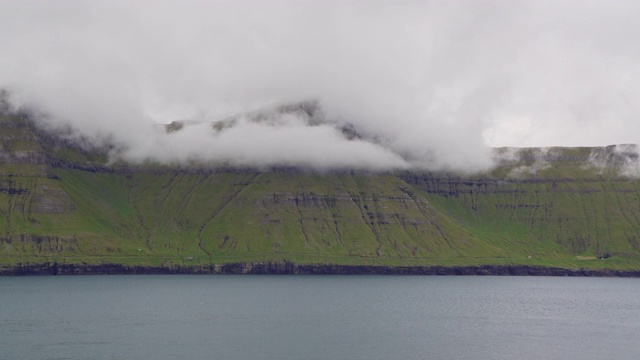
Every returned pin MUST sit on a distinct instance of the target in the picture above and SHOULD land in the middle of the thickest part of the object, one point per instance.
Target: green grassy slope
(60, 203)
(224, 217)
(569, 208)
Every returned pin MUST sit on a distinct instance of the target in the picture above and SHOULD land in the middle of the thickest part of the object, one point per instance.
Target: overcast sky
(430, 83)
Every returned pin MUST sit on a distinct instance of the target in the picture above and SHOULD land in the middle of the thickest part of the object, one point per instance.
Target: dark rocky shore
(286, 268)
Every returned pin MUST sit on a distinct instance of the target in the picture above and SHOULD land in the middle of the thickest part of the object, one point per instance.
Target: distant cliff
(556, 208)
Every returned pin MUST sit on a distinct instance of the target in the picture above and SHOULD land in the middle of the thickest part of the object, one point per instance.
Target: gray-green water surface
(318, 317)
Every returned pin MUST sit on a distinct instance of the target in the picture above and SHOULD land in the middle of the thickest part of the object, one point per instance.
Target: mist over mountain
(395, 85)
(66, 207)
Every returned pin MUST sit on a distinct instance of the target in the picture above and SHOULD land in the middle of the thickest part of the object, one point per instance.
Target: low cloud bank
(428, 85)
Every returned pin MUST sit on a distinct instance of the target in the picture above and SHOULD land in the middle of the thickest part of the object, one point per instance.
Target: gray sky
(429, 83)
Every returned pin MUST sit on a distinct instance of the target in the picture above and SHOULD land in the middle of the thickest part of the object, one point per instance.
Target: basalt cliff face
(64, 209)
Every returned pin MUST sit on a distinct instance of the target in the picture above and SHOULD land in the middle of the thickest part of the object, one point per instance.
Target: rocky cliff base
(286, 268)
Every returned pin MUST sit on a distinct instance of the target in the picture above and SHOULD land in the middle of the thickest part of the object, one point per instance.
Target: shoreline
(287, 268)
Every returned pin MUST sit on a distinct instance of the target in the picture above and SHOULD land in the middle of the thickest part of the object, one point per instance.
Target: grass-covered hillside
(562, 207)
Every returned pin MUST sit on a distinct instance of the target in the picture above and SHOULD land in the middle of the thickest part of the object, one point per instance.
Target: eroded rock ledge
(286, 268)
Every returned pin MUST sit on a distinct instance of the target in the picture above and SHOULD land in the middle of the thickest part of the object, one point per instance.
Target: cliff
(557, 208)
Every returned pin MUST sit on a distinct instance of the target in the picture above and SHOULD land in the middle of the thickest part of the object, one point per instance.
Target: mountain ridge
(65, 204)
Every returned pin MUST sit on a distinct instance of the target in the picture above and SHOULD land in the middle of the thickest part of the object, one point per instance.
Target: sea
(318, 317)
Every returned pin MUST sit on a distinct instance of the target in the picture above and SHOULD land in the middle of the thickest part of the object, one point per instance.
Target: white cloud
(428, 83)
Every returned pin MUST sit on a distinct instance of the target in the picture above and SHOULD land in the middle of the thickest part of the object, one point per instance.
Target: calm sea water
(318, 317)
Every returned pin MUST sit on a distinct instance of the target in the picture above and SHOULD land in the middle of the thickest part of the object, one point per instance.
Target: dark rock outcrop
(287, 268)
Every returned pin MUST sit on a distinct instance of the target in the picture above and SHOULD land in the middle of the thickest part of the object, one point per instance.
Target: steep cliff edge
(62, 204)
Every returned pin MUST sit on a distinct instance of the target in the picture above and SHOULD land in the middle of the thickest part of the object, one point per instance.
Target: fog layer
(423, 84)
